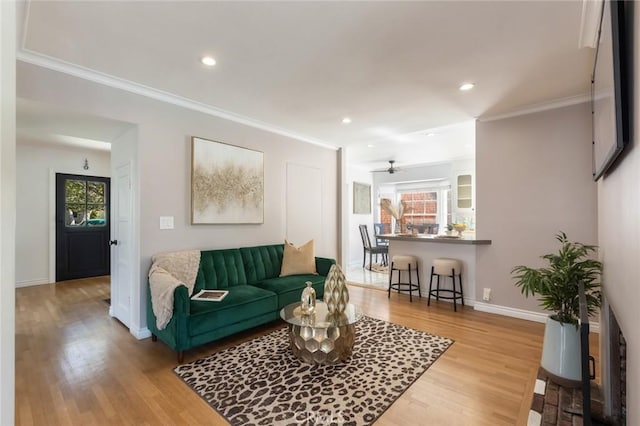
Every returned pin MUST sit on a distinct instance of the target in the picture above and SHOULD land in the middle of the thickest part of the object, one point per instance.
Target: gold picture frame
(227, 183)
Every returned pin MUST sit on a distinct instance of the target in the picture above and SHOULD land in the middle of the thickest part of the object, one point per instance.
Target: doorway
(82, 226)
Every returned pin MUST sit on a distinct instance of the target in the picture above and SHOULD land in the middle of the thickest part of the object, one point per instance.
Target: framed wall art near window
(361, 198)
(227, 183)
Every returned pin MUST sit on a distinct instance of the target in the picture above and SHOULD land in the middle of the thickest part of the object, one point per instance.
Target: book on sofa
(210, 295)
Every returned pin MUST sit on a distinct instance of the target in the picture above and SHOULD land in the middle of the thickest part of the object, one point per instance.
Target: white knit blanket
(168, 271)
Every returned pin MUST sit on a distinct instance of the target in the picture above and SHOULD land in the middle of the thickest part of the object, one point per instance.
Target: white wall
(619, 239)
(355, 248)
(164, 132)
(37, 164)
(7, 209)
(303, 204)
(534, 179)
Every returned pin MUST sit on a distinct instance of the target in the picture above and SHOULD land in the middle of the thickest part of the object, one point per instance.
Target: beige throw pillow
(298, 260)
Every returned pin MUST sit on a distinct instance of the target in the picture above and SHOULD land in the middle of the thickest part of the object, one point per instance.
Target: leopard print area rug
(260, 382)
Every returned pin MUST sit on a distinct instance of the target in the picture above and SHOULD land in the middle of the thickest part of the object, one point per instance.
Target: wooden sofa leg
(154, 338)
(180, 357)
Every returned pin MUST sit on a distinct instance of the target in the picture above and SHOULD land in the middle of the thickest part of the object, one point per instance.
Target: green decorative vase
(336, 294)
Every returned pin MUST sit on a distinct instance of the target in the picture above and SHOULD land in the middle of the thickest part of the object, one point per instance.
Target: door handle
(113, 242)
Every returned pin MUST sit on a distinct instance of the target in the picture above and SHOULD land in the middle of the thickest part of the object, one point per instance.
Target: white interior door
(121, 268)
(304, 205)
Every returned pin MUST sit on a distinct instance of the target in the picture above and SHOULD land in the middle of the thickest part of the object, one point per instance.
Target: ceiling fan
(391, 170)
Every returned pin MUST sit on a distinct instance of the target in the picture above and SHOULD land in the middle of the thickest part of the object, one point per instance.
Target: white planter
(561, 351)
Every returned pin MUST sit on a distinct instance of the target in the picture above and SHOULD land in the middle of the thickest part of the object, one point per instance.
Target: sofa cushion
(289, 289)
(220, 270)
(241, 303)
(298, 260)
(262, 262)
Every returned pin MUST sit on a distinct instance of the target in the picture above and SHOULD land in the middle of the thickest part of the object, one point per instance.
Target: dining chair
(379, 229)
(431, 228)
(368, 248)
(427, 228)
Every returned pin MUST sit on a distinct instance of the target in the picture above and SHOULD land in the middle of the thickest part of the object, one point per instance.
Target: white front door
(122, 243)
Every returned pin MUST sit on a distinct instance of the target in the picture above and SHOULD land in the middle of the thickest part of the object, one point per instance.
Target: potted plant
(449, 228)
(459, 227)
(556, 287)
(396, 212)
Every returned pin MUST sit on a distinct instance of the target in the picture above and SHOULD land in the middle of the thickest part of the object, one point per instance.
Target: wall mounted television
(610, 86)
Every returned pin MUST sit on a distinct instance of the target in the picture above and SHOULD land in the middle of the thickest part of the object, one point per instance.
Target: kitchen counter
(428, 247)
(423, 238)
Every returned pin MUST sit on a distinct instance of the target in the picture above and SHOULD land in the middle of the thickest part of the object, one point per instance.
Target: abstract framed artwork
(227, 183)
(361, 198)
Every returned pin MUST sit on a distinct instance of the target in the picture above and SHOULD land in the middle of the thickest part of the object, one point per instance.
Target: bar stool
(404, 263)
(449, 268)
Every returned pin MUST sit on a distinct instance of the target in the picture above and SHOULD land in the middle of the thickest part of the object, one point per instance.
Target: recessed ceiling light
(346, 120)
(467, 86)
(370, 146)
(431, 134)
(208, 61)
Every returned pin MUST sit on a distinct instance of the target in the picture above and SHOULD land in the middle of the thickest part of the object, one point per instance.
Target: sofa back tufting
(262, 262)
(220, 269)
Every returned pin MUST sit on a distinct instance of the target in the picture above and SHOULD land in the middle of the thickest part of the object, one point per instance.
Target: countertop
(422, 238)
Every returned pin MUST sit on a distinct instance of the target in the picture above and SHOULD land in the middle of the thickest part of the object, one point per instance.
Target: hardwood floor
(76, 365)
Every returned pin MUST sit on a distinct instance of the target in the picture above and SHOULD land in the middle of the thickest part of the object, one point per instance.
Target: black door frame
(61, 231)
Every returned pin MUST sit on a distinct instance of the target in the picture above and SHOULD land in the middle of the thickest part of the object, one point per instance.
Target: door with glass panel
(82, 226)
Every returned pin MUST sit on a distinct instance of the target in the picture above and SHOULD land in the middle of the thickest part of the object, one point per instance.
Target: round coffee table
(321, 337)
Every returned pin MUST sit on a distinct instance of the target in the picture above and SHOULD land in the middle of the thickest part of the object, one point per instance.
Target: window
(421, 207)
(385, 216)
(85, 203)
(425, 205)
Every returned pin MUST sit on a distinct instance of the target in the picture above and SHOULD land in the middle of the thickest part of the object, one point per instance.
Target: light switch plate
(166, 222)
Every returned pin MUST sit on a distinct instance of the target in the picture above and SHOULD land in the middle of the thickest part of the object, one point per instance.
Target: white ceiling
(393, 67)
(438, 145)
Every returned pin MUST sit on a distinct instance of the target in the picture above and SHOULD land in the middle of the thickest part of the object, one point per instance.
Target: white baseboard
(138, 333)
(29, 283)
(141, 333)
(511, 312)
(522, 314)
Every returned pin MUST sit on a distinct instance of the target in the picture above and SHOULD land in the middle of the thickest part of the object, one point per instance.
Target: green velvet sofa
(256, 295)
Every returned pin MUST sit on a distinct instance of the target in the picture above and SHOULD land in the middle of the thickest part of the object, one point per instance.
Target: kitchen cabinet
(464, 192)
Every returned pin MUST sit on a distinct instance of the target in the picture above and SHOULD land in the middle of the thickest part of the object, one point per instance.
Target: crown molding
(590, 23)
(545, 106)
(54, 64)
